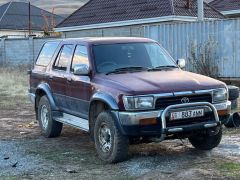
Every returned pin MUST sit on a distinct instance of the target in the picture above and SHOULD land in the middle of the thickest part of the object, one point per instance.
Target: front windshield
(109, 57)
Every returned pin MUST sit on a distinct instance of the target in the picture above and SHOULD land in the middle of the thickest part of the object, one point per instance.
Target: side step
(71, 120)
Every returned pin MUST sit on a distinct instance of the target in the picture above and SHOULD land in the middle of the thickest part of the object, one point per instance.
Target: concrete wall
(127, 31)
(18, 34)
(20, 51)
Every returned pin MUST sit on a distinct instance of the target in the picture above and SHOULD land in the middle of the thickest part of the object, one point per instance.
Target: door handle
(50, 77)
(69, 79)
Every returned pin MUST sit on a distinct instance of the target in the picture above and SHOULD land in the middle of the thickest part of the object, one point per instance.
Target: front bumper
(135, 118)
(132, 121)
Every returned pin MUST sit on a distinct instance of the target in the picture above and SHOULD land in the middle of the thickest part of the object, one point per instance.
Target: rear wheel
(207, 141)
(111, 145)
(50, 128)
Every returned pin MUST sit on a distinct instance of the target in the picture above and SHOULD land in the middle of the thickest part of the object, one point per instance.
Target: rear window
(47, 53)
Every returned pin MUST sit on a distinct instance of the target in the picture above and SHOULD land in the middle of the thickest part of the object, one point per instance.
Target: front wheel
(207, 141)
(111, 145)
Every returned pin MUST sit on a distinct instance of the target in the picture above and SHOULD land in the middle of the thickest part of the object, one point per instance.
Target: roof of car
(105, 40)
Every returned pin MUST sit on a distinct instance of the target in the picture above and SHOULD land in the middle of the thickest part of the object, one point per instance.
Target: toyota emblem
(185, 100)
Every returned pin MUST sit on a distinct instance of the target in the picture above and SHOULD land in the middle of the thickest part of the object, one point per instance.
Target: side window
(47, 53)
(63, 58)
(80, 56)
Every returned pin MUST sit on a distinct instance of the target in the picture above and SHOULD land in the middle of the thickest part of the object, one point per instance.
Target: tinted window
(109, 57)
(47, 53)
(80, 56)
(63, 58)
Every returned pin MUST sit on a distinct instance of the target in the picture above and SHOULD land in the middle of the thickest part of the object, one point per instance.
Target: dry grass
(13, 87)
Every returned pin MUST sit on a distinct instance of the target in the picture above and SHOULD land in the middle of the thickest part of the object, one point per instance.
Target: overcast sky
(61, 6)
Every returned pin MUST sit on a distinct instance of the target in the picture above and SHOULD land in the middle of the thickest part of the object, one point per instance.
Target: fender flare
(111, 102)
(45, 87)
(106, 98)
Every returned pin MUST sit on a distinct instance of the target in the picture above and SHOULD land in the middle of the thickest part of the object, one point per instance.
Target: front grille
(164, 102)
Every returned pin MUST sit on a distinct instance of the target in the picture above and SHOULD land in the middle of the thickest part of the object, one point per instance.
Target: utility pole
(29, 19)
(200, 10)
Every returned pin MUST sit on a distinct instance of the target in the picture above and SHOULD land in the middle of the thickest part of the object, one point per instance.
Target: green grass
(228, 168)
(56, 156)
(84, 161)
(62, 155)
(231, 131)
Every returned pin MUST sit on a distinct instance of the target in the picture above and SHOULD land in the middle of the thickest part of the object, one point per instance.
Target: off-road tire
(233, 121)
(206, 141)
(233, 92)
(234, 104)
(229, 124)
(53, 128)
(120, 143)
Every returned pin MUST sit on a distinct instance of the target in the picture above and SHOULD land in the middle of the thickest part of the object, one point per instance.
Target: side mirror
(181, 63)
(81, 69)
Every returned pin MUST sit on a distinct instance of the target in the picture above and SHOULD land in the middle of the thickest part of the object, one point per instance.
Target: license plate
(187, 114)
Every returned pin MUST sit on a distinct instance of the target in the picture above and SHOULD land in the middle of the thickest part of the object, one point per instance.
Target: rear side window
(63, 58)
(47, 53)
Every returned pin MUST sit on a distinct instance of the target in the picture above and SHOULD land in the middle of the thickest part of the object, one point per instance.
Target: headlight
(220, 95)
(138, 102)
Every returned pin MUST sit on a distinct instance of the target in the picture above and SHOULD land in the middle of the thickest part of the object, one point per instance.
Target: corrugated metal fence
(178, 37)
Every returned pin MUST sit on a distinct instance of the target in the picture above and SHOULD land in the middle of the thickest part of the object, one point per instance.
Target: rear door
(57, 79)
(79, 88)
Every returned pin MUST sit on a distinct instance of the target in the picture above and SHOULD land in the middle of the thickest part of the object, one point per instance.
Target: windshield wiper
(127, 69)
(159, 68)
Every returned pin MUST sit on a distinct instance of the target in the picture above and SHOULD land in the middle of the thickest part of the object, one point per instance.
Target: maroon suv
(123, 91)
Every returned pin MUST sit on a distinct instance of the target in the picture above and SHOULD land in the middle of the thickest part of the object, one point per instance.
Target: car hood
(158, 82)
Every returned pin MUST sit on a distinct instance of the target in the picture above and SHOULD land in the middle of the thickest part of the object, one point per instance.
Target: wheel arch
(44, 89)
(100, 102)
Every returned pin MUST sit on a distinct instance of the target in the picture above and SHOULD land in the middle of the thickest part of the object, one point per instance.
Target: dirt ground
(25, 154)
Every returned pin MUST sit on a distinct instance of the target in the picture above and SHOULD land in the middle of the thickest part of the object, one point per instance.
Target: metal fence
(177, 38)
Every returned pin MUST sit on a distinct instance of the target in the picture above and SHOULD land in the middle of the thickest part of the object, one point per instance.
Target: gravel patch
(14, 161)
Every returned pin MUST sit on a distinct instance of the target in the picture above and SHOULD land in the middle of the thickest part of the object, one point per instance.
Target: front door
(79, 87)
(58, 80)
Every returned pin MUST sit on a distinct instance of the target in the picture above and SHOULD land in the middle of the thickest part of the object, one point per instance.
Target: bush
(202, 58)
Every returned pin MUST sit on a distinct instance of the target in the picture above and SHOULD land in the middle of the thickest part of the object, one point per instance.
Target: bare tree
(49, 23)
(203, 58)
